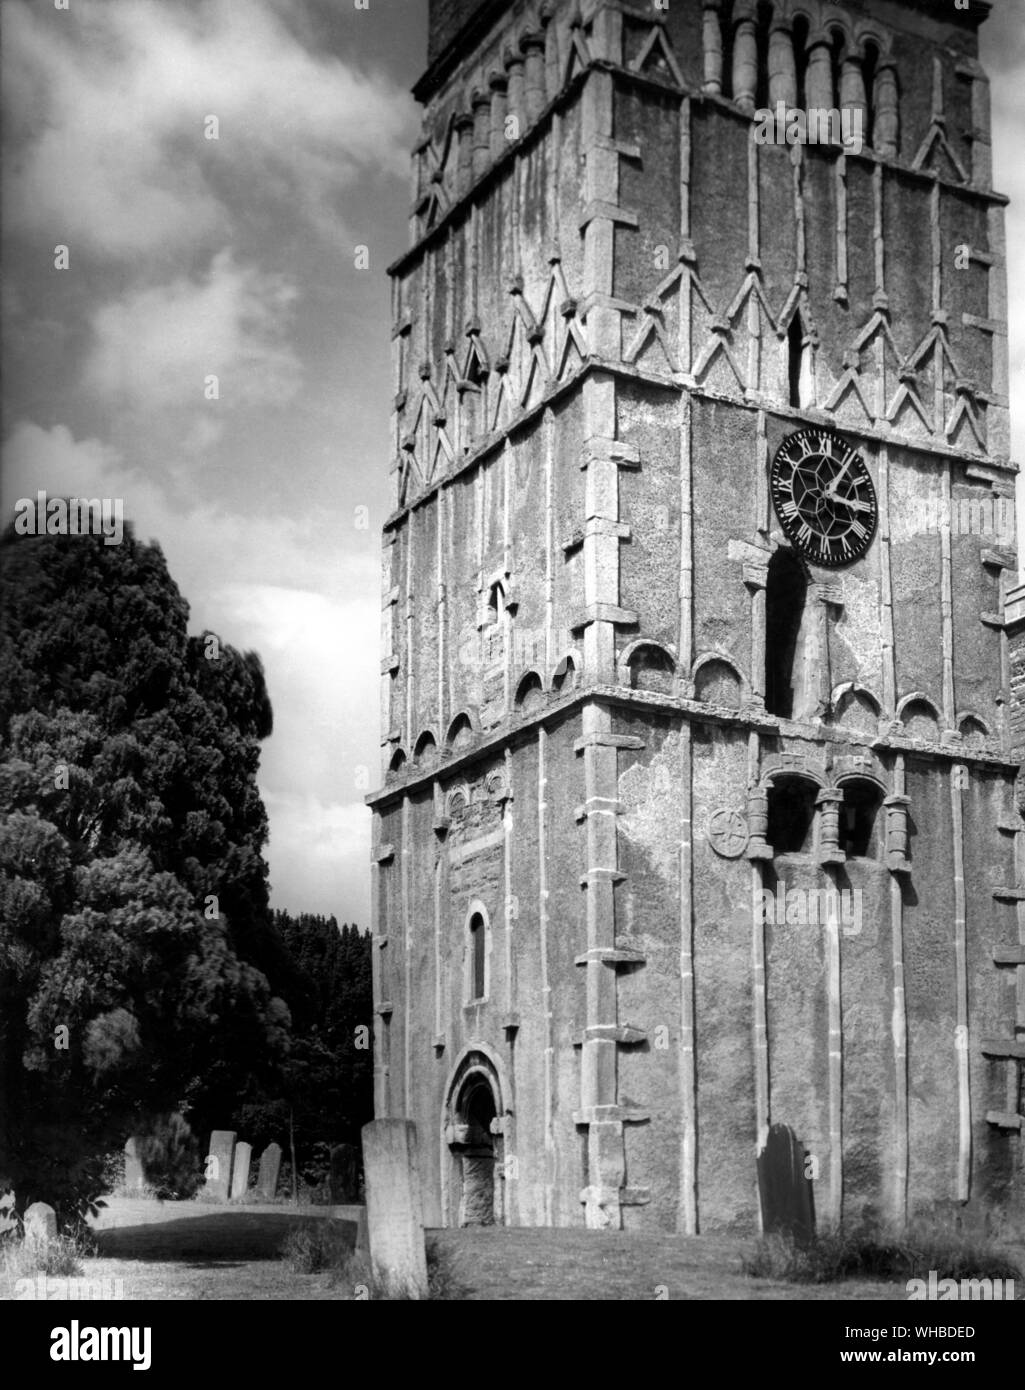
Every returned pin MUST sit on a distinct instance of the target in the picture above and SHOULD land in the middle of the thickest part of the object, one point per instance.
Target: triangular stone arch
(934, 151)
(716, 369)
(651, 348)
(656, 54)
(963, 427)
(908, 416)
(475, 362)
(579, 55)
(537, 379)
(574, 352)
(503, 410)
(410, 479)
(848, 401)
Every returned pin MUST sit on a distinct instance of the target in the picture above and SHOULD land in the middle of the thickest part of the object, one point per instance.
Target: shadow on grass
(218, 1240)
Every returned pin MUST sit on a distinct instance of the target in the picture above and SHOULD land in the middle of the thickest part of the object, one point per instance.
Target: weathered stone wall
(447, 18)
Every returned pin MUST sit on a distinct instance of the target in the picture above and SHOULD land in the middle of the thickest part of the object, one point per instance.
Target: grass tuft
(58, 1257)
(317, 1247)
(874, 1253)
(312, 1247)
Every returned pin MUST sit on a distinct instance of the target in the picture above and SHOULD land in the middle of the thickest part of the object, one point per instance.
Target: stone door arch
(474, 1145)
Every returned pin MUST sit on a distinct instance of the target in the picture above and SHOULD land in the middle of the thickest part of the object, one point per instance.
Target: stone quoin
(668, 400)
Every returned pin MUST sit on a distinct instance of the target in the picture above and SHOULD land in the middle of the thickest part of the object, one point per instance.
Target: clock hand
(851, 504)
(830, 490)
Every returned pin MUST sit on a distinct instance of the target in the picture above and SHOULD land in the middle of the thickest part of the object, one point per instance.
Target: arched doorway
(475, 1142)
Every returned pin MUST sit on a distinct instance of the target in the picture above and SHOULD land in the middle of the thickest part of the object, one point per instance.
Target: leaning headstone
(135, 1179)
(394, 1206)
(344, 1175)
(40, 1223)
(240, 1170)
(270, 1166)
(218, 1163)
(784, 1186)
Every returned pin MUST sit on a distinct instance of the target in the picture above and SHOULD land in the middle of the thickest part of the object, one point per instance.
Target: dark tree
(139, 967)
(326, 1094)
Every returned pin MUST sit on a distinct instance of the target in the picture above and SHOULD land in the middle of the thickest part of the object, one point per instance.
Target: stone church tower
(698, 811)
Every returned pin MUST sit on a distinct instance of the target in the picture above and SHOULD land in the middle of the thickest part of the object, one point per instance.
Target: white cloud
(319, 856)
(307, 606)
(52, 460)
(321, 655)
(107, 105)
(156, 347)
(213, 554)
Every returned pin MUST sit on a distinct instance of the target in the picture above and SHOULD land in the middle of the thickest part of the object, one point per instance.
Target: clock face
(823, 496)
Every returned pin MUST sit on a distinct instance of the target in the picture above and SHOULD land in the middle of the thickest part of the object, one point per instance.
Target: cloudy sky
(192, 257)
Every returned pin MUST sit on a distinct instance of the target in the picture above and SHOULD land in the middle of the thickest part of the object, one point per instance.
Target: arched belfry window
(726, 31)
(869, 68)
(800, 32)
(755, 55)
(837, 53)
(791, 828)
(764, 22)
(861, 819)
(786, 591)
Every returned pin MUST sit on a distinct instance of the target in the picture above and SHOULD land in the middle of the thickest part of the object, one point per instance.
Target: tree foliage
(139, 968)
(326, 1095)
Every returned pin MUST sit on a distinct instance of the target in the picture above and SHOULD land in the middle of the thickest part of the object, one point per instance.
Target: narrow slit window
(785, 594)
(477, 956)
(796, 349)
(496, 603)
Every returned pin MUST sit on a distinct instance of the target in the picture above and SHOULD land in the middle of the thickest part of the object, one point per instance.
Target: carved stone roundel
(728, 833)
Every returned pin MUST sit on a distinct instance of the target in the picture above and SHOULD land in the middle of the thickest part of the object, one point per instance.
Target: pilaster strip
(687, 1212)
(889, 655)
(958, 778)
(899, 1027)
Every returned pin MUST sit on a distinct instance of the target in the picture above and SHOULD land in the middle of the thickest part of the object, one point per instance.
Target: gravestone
(134, 1177)
(270, 1166)
(344, 1174)
(784, 1187)
(240, 1170)
(478, 1205)
(394, 1207)
(40, 1223)
(218, 1163)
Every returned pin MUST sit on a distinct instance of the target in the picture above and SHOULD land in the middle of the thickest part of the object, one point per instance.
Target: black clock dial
(824, 498)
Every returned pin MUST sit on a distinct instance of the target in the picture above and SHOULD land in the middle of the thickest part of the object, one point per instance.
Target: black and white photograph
(512, 669)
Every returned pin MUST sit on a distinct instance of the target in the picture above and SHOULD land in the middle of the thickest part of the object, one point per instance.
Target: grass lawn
(190, 1250)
